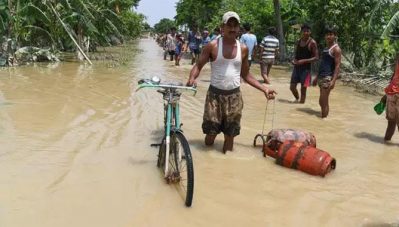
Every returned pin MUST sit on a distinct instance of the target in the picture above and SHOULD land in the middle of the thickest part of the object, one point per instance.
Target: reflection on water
(75, 151)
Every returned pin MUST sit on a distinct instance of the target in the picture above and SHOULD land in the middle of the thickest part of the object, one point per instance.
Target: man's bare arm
(247, 76)
(337, 60)
(315, 52)
(203, 59)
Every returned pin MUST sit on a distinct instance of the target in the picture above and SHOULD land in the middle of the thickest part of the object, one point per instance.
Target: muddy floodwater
(75, 151)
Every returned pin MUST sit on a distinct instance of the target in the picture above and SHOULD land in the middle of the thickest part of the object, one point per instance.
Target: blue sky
(155, 10)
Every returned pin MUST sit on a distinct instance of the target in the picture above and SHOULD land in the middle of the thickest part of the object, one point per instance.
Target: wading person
(328, 70)
(164, 46)
(305, 53)
(268, 50)
(250, 41)
(194, 40)
(179, 48)
(171, 43)
(229, 62)
(391, 99)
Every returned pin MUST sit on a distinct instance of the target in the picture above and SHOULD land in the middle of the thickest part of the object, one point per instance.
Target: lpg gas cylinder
(276, 137)
(301, 156)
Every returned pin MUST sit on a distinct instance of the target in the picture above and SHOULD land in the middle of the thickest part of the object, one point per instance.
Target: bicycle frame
(172, 118)
(172, 124)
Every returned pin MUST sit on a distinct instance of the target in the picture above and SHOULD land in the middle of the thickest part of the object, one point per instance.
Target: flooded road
(74, 151)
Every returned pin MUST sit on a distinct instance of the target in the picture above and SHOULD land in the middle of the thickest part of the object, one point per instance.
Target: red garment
(393, 87)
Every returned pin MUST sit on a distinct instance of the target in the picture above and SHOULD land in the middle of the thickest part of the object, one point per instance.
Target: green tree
(164, 25)
(54, 22)
(197, 12)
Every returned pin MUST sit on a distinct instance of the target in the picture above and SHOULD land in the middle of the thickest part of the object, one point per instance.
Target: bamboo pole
(70, 35)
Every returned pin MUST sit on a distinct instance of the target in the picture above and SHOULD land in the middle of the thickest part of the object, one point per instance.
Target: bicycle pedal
(155, 144)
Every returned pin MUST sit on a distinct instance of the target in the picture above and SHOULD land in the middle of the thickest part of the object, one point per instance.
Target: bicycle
(174, 156)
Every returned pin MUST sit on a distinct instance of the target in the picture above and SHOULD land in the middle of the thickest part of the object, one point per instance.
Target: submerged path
(74, 151)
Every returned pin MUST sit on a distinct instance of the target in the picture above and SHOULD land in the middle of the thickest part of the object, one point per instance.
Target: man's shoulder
(245, 36)
(313, 42)
(336, 49)
(243, 45)
(213, 43)
(270, 38)
(244, 48)
(270, 41)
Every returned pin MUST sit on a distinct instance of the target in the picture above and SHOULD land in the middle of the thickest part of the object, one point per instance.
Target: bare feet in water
(295, 101)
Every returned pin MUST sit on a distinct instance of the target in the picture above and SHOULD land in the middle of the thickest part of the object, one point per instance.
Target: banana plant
(392, 28)
(4, 16)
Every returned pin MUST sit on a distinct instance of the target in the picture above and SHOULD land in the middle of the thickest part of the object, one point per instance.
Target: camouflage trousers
(325, 82)
(222, 112)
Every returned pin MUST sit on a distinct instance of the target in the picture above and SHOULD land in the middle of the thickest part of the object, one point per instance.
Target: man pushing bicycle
(229, 62)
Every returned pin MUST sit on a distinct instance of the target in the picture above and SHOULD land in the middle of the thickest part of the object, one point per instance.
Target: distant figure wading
(305, 53)
(268, 50)
(329, 70)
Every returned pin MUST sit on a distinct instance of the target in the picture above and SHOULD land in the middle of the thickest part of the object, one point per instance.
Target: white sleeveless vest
(225, 73)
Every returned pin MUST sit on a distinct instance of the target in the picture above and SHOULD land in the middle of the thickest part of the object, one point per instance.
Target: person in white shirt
(171, 43)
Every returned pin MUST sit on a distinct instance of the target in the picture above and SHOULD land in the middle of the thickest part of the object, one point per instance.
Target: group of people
(176, 43)
(306, 52)
(173, 45)
(230, 61)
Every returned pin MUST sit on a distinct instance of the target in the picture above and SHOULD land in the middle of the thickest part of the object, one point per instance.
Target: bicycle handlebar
(166, 86)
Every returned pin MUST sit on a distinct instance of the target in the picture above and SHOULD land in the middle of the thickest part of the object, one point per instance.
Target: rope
(265, 115)
(274, 112)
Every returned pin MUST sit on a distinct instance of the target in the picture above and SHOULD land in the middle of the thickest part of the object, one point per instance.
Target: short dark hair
(272, 30)
(305, 26)
(330, 29)
(247, 27)
(173, 29)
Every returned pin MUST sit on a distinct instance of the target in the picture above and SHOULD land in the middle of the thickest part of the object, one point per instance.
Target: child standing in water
(391, 98)
(329, 70)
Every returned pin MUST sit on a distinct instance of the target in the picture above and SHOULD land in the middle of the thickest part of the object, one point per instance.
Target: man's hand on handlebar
(191, 83)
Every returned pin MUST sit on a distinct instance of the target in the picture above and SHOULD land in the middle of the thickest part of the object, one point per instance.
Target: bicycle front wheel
(181, 167)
